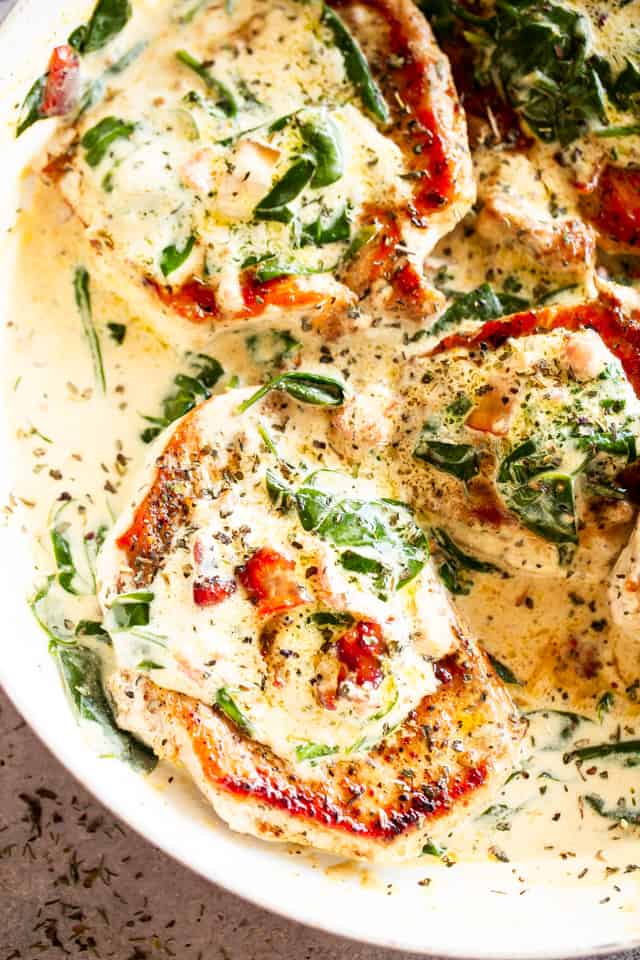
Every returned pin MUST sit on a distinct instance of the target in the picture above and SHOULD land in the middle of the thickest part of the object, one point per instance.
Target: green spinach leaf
(272, 347)
(191, 390)
(504, 672)
(132, 609)
(540, 58)
(319, 232)
(227, 100)
(454, 563)
(83, 302)
(117, 332)
(286, 189)
(173, 257)
(312, 388)
(356, 66)
(227, 705)
(598, 751)
(461, 460)
(81, 672)
(312, 751)
(109, 17)
(397, 547)
(546, 505)
(481, 304)
(31, 110)
(94, 629)
(98, 139)
(323, 138)
(629, 814)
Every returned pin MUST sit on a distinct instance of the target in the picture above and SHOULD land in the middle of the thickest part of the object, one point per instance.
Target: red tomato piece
(213, 590)
(360, 650)
(268, 579)
(61, 89)
(617, 212)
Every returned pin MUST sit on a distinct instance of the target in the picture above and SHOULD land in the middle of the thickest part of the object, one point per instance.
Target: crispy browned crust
(452, 751)
(166, 505)
(429, 126)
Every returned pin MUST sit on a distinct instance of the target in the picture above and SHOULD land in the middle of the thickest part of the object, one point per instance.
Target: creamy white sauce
(75, 442)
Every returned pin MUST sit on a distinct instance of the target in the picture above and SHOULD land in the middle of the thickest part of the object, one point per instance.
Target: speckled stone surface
(76, 882)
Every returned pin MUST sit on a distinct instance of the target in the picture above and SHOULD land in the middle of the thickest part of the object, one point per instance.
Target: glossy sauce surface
(79, 445)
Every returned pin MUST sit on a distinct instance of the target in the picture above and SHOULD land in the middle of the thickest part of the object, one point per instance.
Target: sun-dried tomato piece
(61, 89)
(213, 590)
(360, 651)
(269, 580)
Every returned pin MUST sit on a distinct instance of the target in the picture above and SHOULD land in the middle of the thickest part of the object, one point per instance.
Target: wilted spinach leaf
(191, 390)
(81, 672)
(461, 460)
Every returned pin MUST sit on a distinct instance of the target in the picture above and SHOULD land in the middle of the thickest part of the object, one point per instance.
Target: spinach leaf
(623, 130)
(384, 527)
(280, 494)
(597, 751)
(117, 332)
(504, 672)
(145, 665)
(433, 849)
(191, 390)
(66, 571)
(619, 443)
(461, 460)
(312, 506)
(31, 110)
(312, 388)
(539, 57)
(481, 304)
(227, 100)
(324, 141)
(272, 347)
(538, 494)
(319, 233)
(173, 257)
(381, 575)
(524, 462)
(54, 632)
(619, 813)
(107, 20)
(455, 563)
(356, 66)
(311, 751)
(81, 672)
(132, 609)
(327, 618)
(227, 705)
(626, 89)
(195, 99)
(271, 268)
(286, 189)
(570, 721)
(94, 629)
(98, 139)
(546, 505)
(362, 237)
(83, 303)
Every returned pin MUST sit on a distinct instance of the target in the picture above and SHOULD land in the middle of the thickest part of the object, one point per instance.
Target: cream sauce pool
(79, 446)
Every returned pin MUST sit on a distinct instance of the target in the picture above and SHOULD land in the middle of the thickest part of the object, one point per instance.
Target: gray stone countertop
(75, 882)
